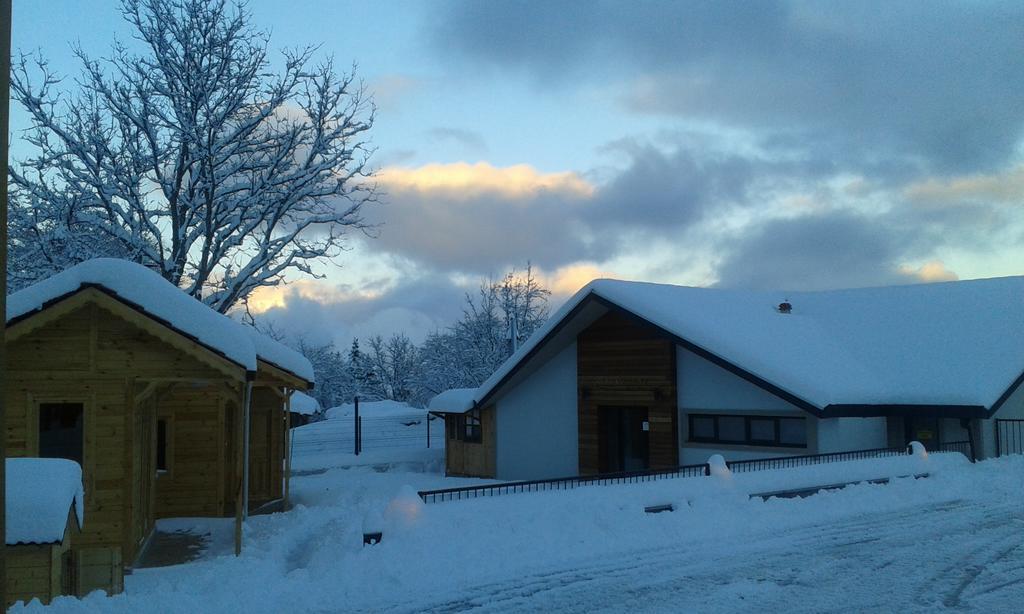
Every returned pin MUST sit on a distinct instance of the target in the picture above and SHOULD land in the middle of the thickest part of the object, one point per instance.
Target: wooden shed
(117, 369)
(43, 501)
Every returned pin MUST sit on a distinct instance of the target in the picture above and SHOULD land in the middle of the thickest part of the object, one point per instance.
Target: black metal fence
(686, 471)
(786, 462)
(963, 447)
(507, 488)
(1009, 437)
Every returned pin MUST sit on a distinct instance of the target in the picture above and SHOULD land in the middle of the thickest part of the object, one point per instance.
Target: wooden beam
(5, 97)
(288, 447)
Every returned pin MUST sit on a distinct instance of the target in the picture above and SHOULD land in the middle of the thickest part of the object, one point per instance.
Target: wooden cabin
(146, 388)
(39, 558)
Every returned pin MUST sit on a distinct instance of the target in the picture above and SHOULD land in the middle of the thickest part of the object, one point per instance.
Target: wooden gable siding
(622, 362)
(472, 459)
(89, 355)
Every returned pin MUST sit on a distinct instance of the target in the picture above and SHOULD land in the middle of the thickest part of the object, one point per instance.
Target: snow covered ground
(953, 540)
(394, 434)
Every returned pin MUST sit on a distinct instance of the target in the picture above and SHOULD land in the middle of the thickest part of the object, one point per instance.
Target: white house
(630, 376)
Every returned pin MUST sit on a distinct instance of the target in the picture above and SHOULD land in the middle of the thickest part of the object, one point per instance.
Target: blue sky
(775, 144)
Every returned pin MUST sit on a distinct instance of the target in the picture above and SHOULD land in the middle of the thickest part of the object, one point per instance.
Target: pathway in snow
(960, 554)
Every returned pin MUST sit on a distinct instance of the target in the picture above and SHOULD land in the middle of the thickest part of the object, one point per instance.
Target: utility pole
(5, 123)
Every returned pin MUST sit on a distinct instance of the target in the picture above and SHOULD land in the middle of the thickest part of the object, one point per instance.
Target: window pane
(732, 428)
(762, 429)
(793, 431)
(702, 427)
(60, 430)
(161, 445)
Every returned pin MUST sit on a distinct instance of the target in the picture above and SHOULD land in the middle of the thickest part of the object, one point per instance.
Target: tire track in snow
(778, 560)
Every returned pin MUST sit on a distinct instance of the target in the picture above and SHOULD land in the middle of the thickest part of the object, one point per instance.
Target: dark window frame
(468, 427)
(46, 408)
(748, 440)
(166, 442)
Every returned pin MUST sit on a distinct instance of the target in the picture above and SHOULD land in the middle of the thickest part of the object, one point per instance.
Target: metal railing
(507, 488)
(786, 462)
(963, 447)
(685, 471)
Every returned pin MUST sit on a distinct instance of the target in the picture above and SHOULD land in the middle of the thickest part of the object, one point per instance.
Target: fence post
(428, 430)
(355, 427)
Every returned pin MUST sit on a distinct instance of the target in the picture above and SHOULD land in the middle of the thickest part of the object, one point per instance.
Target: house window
(161, 444)
(471, 431)
(61, 430)
(466, 427)
(749, 430)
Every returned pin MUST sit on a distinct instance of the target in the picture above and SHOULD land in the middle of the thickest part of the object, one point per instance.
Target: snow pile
(147, 291)
(39, 492)
(917, 344)
(280, 355)
(302, 403)
(456, 400)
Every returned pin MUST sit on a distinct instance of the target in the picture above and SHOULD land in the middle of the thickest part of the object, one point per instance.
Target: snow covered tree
(474, 347)
(334, 383)
(395, 362)
(192, 156)
(364, 379)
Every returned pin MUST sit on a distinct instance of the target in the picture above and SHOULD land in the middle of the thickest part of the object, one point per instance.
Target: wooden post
(287, 443)
(239, 504)
(5, 116)
(247, 419)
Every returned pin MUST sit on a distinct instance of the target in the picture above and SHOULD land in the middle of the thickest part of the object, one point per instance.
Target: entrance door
(623, 439)
(924, 430)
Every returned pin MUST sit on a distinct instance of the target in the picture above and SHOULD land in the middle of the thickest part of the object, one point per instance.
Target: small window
(61, 430)
(472, 432)
(702, 427)
(792, 432)
(762, 430)
(732, 428)
(161, 445)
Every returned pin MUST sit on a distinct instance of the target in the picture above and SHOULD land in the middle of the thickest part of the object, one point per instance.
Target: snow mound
(39, 492)
(898, 345)
(454, 400)
(304, 404)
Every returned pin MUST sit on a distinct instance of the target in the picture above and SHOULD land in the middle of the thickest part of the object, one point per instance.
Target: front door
(924, 430)
(623, 439)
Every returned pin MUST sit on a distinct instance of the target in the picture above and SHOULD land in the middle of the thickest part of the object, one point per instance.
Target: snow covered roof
(39, 492)
(456, 400)
(281, 355)
(304, 404)
(147, 291)
(951, 343)
(373, 409)
(150, 293)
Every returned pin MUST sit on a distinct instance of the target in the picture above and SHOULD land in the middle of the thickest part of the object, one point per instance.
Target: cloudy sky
(798, 145)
